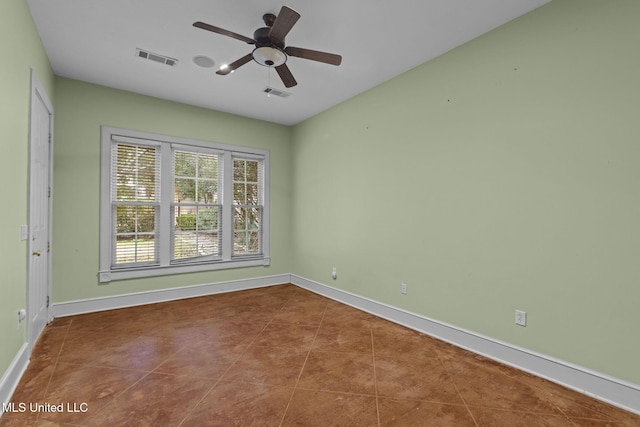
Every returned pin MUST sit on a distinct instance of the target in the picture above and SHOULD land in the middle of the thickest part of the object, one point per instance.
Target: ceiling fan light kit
(269, 56)
(270, 48)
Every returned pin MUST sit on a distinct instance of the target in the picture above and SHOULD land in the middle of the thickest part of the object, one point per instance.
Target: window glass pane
(185, 190)
(125, 219)
(146, 179)
(135, 185)
(253, 219)
(239, 242)
(135, 239)
(208, 219)
(239, 219)
(196, 211)
(131, 249)
(238, 170)
(247, 218)
(253, 244)
(185, 164)
(197, 234)
(239, 194)
(246, 180)
(252, 171)
(208, 167)
(247, 233)
(251, 194)
(246, 243)
(145, 219)
(136, 173)
(207, 191)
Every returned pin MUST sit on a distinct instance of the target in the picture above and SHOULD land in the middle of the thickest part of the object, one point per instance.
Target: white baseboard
(615, 391)
(92, 305)
(12, 375)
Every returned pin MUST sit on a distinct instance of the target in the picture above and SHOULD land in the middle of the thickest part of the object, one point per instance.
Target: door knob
(36, 253)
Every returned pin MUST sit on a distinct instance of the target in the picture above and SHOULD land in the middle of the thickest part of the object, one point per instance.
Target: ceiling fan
(270, 49)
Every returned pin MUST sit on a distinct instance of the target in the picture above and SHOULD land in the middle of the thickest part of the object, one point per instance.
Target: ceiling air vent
(275, 92)
(145, 54)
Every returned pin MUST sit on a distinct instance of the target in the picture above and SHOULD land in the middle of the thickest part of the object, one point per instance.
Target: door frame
(38, 93)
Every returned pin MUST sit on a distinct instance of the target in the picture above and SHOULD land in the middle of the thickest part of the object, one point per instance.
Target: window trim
(107, 274)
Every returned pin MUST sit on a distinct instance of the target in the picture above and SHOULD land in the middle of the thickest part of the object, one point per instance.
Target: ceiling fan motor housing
(268, 53)
(261, 36)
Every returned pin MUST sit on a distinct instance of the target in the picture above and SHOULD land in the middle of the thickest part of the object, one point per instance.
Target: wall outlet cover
(521, 318)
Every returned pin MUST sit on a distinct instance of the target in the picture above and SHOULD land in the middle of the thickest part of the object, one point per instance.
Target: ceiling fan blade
(314, 55)
(224, 32)
(286, 76)
(285, 21)
(234, 65)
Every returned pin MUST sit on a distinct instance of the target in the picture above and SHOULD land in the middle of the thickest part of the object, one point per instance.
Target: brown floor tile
(34, 382)
(582, 408)
(212, 330)
(291, 335)
(279, 354)
(404, 413)
(205, 359)
(13, 420)
(481, 383)
(411, 376)
(155, 400)
(390, 339)
(302, 310)
(583, 422)
(339, 372)
(340, 315)
(319, 408)
(278, 366)
(48, 346)
(47, 423)
(240, 404)
(493, 417)
(85, 387)
(346, 338)
(118, 351)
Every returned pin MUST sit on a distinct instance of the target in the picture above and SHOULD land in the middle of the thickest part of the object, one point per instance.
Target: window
(247, 206)
(172, 205)
(197, 208)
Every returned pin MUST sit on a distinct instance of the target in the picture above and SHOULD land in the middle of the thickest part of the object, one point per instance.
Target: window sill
(141, 272)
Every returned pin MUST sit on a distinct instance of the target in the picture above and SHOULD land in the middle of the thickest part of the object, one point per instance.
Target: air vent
(275, 92)
(145, 54)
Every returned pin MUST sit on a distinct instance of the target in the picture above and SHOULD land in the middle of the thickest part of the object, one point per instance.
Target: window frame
(165, 265)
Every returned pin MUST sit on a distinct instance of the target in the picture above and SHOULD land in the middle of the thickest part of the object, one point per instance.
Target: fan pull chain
(268, 82)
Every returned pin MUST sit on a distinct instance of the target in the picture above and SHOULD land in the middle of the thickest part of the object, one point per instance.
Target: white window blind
(197, 207)
(135, 202)
(247, 206)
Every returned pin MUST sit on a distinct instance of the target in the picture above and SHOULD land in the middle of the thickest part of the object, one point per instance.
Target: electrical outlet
(22, 314)
(521, 318)
(403, 288)
(334, 273)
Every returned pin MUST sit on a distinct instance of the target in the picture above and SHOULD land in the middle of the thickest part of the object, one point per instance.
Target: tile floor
(276, 356)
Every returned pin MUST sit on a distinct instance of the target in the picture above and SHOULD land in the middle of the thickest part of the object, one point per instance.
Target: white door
(41, 127)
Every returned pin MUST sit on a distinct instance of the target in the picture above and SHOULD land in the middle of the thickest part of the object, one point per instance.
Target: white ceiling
(95, 41)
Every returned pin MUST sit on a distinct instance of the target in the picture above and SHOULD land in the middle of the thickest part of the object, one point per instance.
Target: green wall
(503, 175)
(21, 51)
(81, 109)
